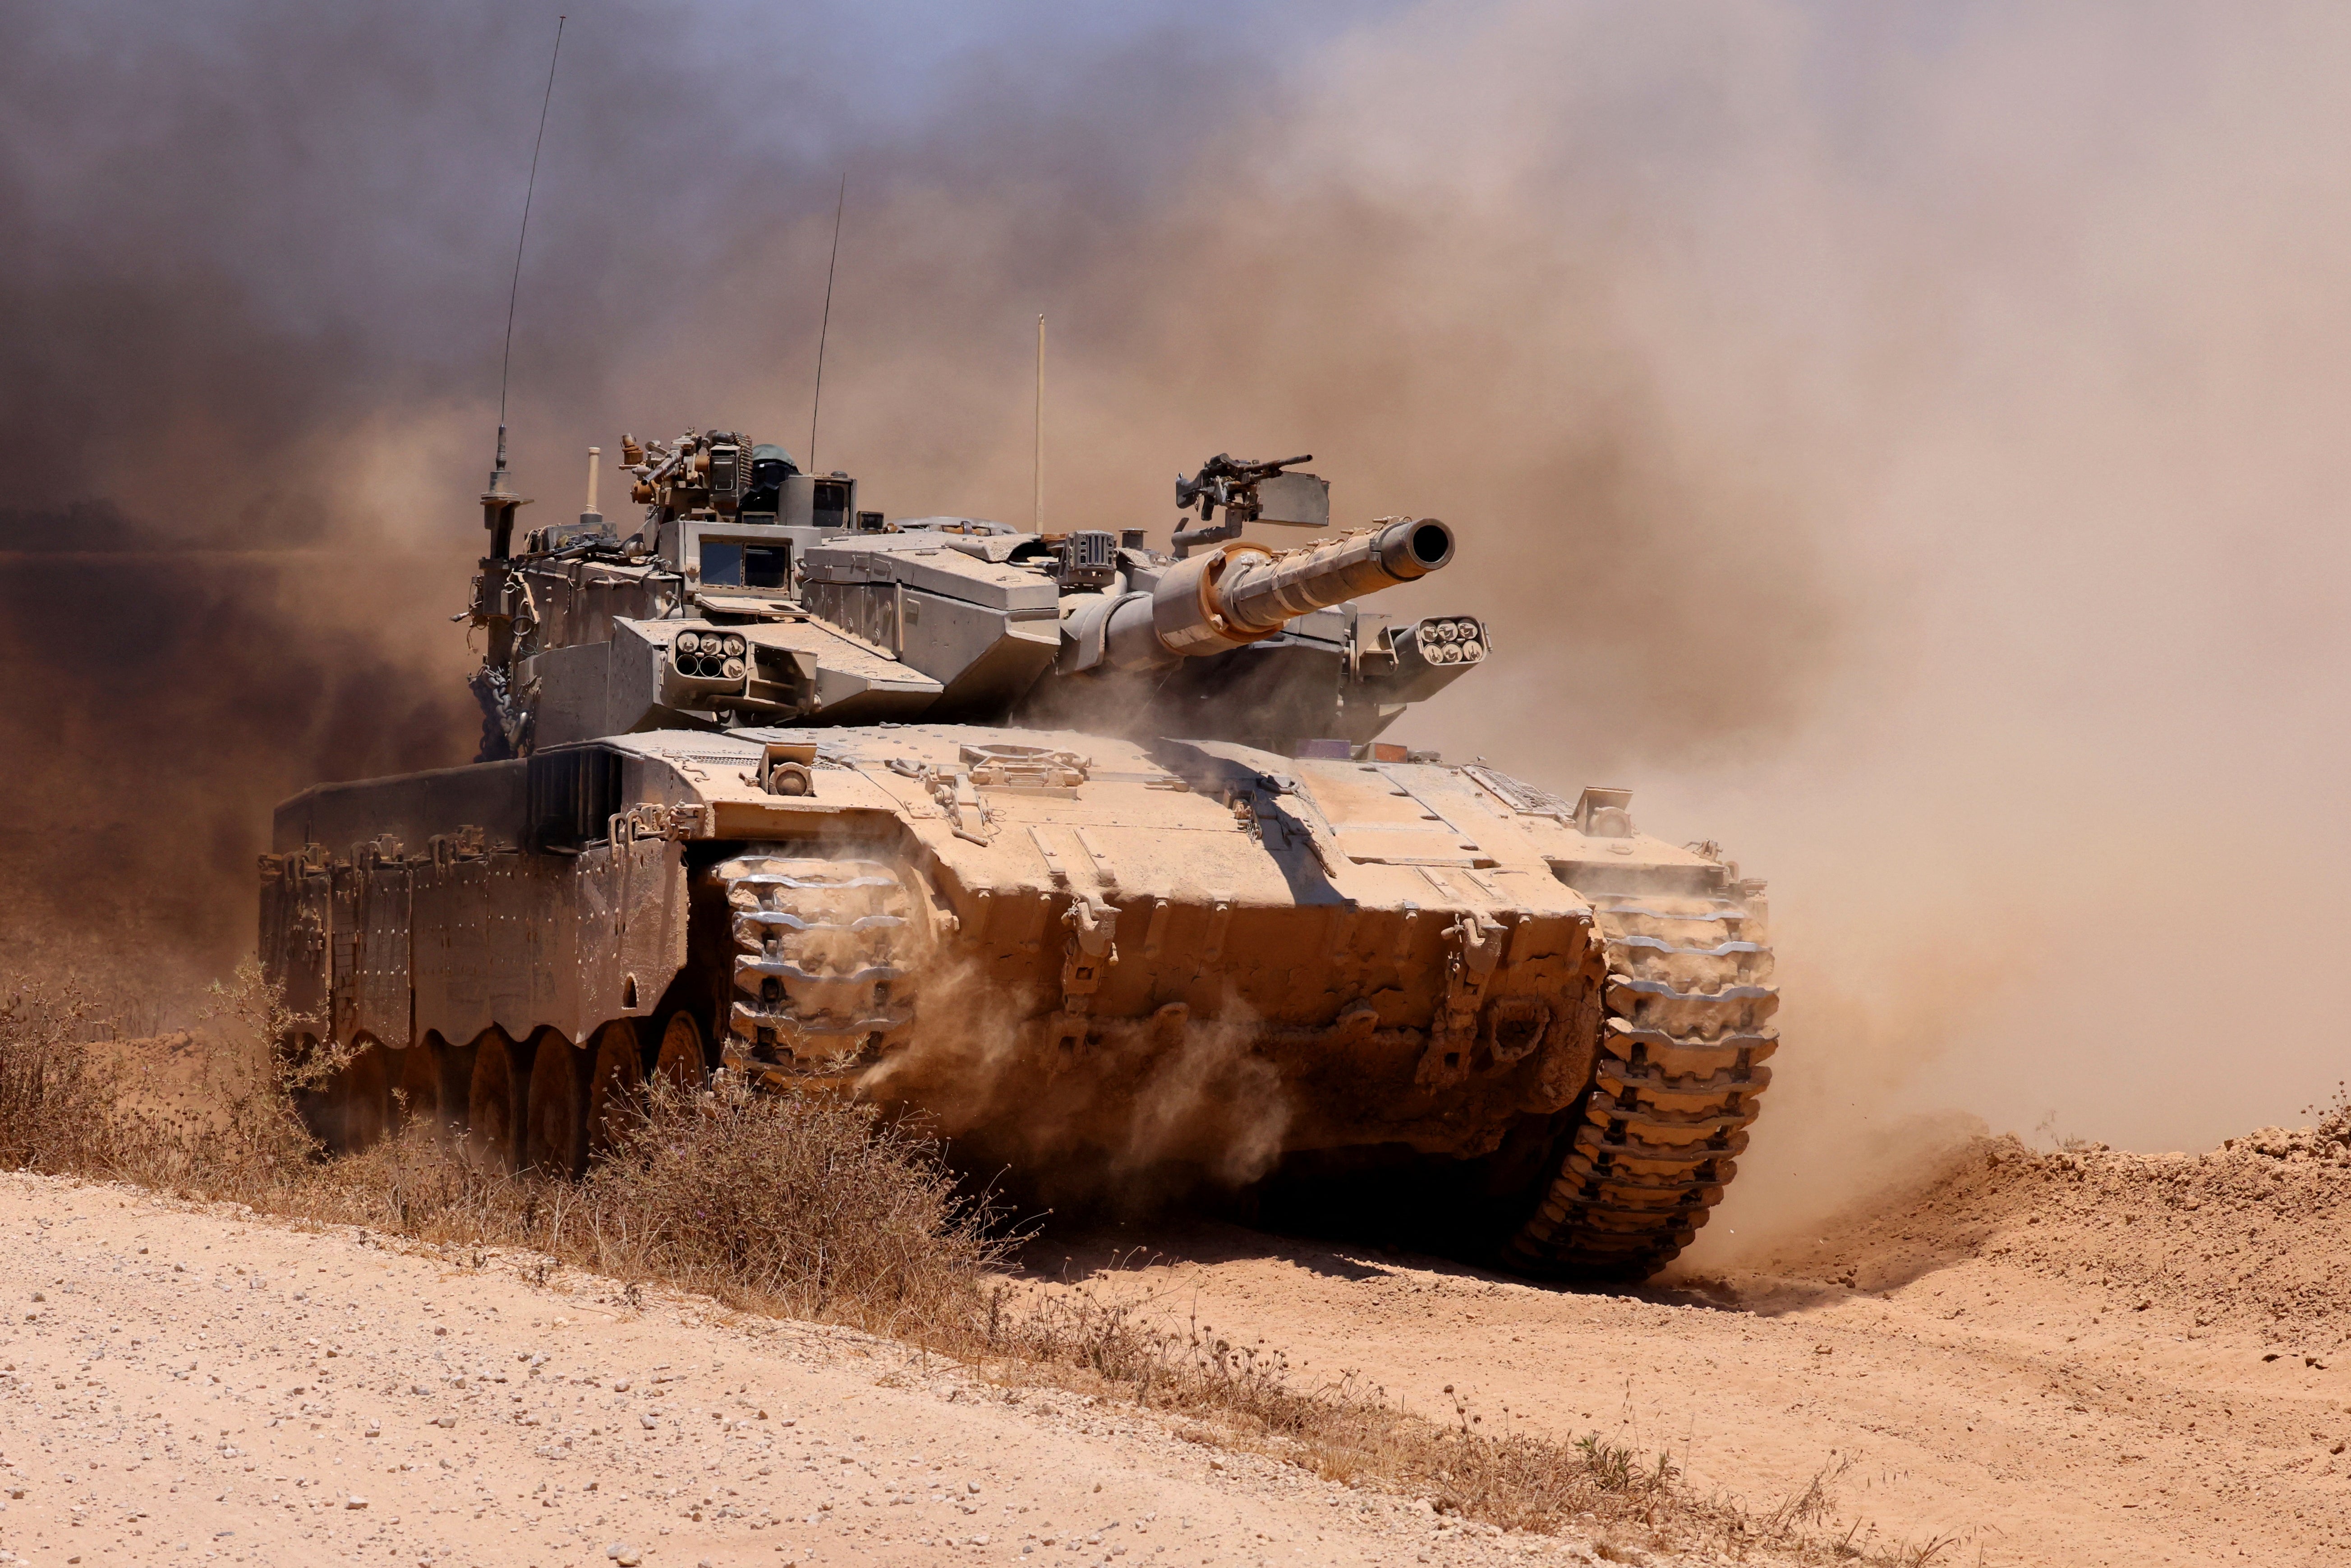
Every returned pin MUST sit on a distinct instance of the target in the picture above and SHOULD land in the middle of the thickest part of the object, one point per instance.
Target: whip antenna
(1040, 427)
(513, 289)
(818, 400)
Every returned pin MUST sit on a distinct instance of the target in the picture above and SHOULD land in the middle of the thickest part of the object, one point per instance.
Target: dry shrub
(59, 1092)
(798, 1204)
(802, 1203)
(240, 1133)
(803, 1206)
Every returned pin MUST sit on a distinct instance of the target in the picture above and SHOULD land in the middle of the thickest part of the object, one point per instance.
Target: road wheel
(416, 1079)
(681, 1059)
(496, 1102)
(616, 1077)
(457, 1087)
(362, 1099)
(557, 1144)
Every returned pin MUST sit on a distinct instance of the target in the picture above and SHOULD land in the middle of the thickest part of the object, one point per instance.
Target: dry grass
(1496, 1474)
(58, 1095)
(803, 1207)
(814, 1208)
(1345, 1431)
(807, 1204)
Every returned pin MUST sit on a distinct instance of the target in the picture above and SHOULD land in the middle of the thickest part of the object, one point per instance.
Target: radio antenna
(1037, 495)
(825, 327)
(513, 289)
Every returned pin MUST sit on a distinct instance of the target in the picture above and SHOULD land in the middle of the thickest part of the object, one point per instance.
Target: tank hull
(1075, 953)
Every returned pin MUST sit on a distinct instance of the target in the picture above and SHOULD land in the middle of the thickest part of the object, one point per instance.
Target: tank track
(822, 952)
(1683, 1036)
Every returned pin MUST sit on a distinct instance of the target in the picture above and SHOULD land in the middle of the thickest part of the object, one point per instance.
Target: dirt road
(2091, 1359)
(195, 1388)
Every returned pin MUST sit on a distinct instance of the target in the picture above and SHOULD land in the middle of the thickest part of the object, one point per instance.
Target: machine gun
(1249, 493)
(708, 471)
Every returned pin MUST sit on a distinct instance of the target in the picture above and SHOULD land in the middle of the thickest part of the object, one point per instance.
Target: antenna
(826, 327)
(1040, 424)
(499, 502)
(513, 289)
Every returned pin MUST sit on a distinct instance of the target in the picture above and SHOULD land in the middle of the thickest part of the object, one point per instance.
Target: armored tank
(1092, 853)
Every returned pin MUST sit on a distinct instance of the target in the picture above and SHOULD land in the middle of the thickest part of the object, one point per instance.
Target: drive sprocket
(824, 952)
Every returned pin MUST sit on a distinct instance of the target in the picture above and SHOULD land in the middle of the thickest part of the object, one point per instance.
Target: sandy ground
(196, 1387)
(2082, 1359)
(2088, 1359)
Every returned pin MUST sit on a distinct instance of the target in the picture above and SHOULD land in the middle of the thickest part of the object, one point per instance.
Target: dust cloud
(163, 695)
(1900, 440)
(1132, 1118)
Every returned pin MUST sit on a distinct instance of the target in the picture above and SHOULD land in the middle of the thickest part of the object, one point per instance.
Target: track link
(824, 950)
(1683, 1041)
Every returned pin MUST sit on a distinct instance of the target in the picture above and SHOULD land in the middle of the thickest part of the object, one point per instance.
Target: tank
(1090, 853)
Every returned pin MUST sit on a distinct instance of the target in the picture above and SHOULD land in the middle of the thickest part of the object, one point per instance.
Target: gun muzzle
(1244, 593)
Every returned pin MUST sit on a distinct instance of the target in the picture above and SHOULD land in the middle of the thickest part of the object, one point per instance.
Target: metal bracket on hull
(1091, 954)
(1477, 944)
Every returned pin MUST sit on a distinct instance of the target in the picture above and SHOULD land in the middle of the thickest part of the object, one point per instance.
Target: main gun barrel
(1206, 604)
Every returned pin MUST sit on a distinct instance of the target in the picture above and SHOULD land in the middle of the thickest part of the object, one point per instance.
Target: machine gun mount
(1249, 493)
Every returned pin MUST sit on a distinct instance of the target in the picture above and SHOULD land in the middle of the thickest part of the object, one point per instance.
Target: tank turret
(754, 594)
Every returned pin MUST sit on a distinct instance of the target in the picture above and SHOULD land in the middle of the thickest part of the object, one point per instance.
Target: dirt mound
(2250, 1234)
